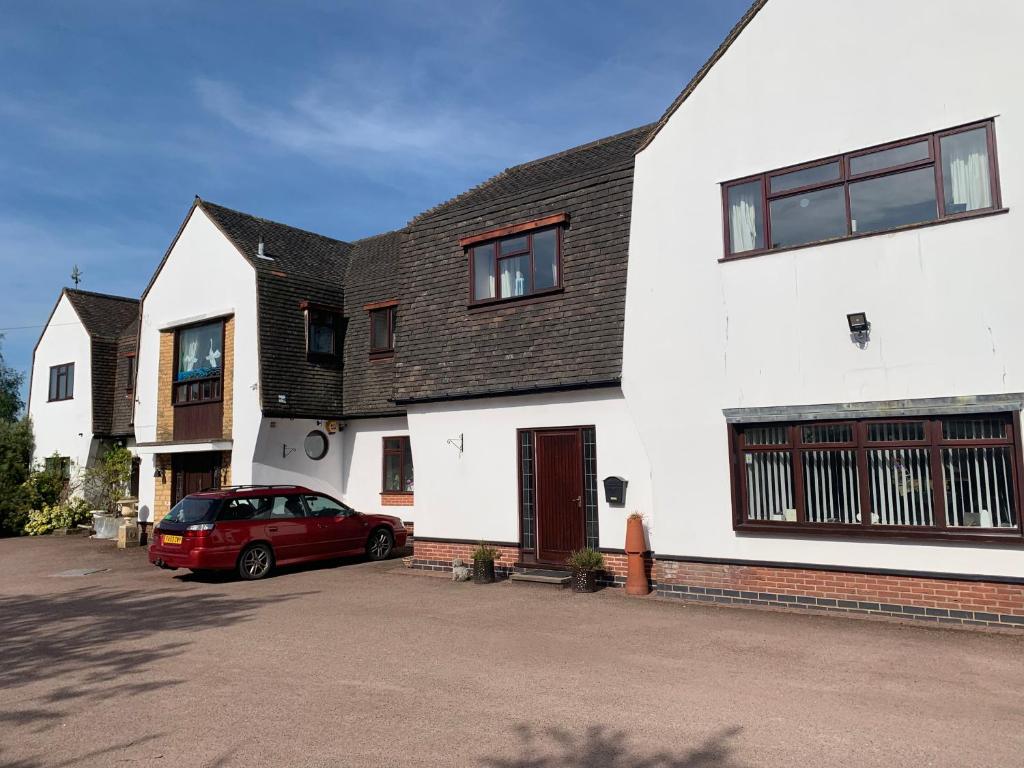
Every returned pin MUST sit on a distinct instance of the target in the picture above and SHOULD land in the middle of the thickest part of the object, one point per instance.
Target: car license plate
(172, 539)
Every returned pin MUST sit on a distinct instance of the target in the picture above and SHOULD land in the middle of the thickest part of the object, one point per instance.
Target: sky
(346, 119)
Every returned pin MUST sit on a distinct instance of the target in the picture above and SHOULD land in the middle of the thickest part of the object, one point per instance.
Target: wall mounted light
(159, 472)
(860, 328)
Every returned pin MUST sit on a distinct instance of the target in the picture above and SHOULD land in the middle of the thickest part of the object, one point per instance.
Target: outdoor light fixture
(860, 328)
(158, 472)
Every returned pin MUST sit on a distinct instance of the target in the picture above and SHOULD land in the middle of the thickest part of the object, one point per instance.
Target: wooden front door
(194, 472)
(560, 517)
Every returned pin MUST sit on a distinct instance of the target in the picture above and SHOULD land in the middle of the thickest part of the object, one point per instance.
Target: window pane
(979, 487)
(746, 228)
(545, 259)
(53, 383)
(392, 443)
(483, 272)
(515, 276)
(896, 431)
(831, 488)
(965, 171)
(805, 177)
(827, 433)
(379, 337)
(809, 217)
(974, 429)
(770, 486)
(514, 245)
(407, 484)
(892, 201)
(199, 351)
(279, 506)
(320, 506)
(321, 333)
(765, 435)
(69, 385)
(392, 472)
(889, 158)
(900, 483)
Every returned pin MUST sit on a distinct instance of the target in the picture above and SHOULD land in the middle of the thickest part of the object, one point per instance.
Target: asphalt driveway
(366, 664)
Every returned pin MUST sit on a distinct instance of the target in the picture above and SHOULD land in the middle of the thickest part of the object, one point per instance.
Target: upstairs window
(943, 175)
(321, 333)
(382, 330)
(517, 265)
(398, 475)
(944, 477)
(130, 381)
(62, 382)
(199, 360)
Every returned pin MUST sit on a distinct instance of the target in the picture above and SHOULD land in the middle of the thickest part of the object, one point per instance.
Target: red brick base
(948, 601)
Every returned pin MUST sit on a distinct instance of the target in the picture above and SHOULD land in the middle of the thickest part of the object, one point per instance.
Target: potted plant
(585, 564)
(483, 563)
(104, 485)
(636, 576)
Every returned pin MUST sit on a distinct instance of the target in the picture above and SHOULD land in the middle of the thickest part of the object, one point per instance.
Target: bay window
(944, 477)
(199, 363)
(516, 266)
(943, 175)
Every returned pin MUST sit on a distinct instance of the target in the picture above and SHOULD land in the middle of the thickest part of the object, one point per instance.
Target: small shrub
(106, 483)
(636, 516)
(586, 559)
(66, 514)
(485, 552)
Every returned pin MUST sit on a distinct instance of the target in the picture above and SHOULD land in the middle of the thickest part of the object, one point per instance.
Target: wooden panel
(559, 472)
(194, 472)
(201, 420)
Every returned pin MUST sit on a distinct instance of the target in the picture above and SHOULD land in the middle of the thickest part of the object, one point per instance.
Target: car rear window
(192, 510)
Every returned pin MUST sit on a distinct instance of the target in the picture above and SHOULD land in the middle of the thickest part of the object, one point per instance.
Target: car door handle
(272, 528)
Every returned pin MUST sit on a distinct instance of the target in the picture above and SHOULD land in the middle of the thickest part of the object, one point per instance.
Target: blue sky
(343, 118)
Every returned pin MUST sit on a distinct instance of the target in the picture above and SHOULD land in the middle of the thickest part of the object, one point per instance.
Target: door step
(542, 576)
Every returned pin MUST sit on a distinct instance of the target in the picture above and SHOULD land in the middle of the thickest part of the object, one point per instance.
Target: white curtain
(513, 278)
(968, 175)
(743, 205)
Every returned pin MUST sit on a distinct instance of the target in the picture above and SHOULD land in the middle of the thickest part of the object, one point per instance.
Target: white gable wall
(204, 276)
(64, 427)
(808, 79)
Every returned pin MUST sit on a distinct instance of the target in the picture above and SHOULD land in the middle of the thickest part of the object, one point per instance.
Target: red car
(252, 528)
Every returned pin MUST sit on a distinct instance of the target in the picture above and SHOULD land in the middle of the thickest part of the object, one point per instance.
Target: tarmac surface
(372, 664)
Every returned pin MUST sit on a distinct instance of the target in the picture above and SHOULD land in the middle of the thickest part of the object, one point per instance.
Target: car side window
(280, 507)
(242, 509)
(321, 506)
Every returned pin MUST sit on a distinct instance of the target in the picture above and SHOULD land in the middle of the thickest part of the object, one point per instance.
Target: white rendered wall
(363, 464)
(280, 457)
(474, 495)
(65, 426)
(808, 79)
(204, 276)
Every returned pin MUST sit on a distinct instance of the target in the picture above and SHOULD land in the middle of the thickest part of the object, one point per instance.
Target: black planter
(483, 571)
(584, 581)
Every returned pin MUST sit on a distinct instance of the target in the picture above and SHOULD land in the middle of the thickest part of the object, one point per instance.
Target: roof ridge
(397, 231)
(100, 295)
(536, 161)
(203, 202)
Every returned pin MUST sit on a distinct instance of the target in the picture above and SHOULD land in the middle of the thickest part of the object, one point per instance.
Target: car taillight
(199, 530)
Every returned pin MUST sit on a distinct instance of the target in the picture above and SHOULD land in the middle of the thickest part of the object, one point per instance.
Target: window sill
(861, 236)
(59, 399)
(528, 299)
(396, 498)
(842, 531)
(385, 355)
(320, 357)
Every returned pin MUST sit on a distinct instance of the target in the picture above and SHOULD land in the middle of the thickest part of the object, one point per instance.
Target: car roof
(248, 491)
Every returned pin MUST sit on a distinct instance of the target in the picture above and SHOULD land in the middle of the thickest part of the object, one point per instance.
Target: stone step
(555, 578)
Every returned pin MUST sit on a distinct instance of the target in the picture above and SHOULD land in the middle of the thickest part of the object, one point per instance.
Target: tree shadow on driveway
(601, 747)
(90, 645)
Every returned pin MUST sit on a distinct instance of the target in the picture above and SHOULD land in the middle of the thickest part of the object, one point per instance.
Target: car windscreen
(192, 510)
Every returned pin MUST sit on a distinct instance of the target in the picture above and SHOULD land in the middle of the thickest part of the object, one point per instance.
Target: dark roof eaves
(730, 38)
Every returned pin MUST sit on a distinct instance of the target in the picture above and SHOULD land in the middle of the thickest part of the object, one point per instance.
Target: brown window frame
(216, 383)
(493, 240)
(129, 386)
(392, 312)
(860, 444)
(312, 313)
(400, 452)
(65, 372)
(846, 178)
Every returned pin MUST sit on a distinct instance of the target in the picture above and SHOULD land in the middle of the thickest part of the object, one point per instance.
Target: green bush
(485, 552)
(16, 444)
(106, 483)
(66, 514)
(586, 559)
(45, 487)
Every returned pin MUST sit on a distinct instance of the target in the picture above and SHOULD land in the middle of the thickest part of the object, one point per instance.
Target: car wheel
(380, 544)
(255, 562)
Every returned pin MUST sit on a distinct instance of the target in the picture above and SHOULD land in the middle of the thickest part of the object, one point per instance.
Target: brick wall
(438, 556)
(396, 500)
(162, 487)
(926, 599)
(164, 406)
(227, 385)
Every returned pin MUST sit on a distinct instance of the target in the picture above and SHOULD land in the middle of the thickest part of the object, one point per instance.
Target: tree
(10, 390)
(16, 445)
(106, 483)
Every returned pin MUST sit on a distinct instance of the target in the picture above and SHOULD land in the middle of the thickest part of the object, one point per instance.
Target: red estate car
(253, 528)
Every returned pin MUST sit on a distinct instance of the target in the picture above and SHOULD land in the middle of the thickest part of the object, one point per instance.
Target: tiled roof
(302, 266)
(111, 323)
(571, 339)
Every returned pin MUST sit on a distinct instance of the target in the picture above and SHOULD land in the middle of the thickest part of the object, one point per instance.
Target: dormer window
(382, 330)
(321, 333)
(517, 261)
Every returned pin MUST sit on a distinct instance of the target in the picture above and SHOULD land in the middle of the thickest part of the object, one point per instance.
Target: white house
(823, 234)
(80, 394)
